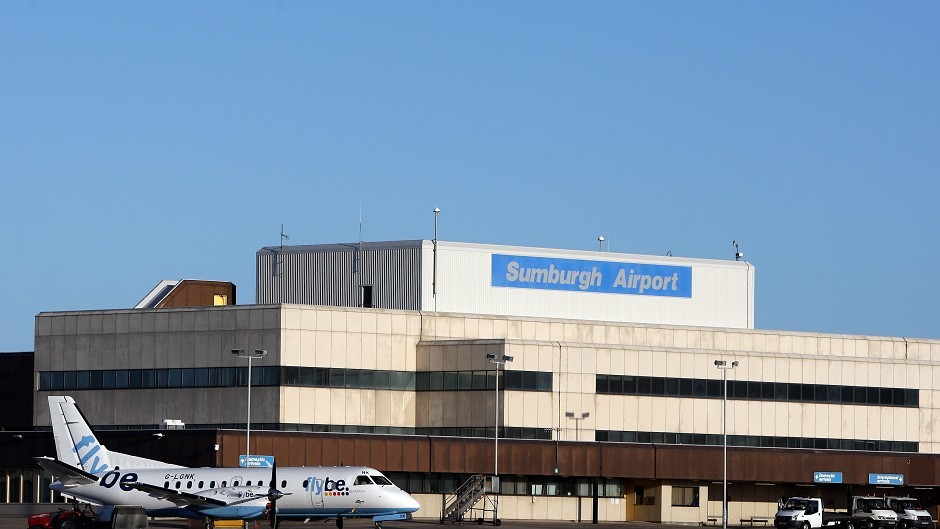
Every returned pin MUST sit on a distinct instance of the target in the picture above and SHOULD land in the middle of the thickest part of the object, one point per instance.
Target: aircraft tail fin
(77, 445)
(75, 442)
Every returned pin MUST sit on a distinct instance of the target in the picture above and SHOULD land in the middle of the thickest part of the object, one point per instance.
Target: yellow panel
(221, 299)
(228, 523)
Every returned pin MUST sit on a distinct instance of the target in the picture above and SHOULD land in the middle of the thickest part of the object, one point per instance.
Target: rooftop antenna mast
(437, 212)
(356, 264)
(737, 254)
(280, 251)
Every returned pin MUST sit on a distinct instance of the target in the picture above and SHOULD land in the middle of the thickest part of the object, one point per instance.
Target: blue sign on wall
(886, 479)
(520, 271)
(255, 461)
(827, 477)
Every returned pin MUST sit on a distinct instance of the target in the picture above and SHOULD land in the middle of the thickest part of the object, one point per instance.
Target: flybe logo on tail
(90, 461)
(326, 487)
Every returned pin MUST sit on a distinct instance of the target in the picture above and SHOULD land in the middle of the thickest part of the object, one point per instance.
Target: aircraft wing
(180, 498)
(66, 474)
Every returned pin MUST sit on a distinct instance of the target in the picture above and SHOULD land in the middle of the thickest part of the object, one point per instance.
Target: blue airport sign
(827, 477)
(255, 461)
(577, 275)
(886, 479)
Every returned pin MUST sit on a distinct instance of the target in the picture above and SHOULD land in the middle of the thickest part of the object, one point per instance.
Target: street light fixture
(498, 360)
(724, 367)
(241, 353)
(577, 422)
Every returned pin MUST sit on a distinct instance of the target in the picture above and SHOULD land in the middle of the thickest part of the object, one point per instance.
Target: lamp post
(724, 367)
(437, 212)
(577, 422)
(498, 360)
(241, 353)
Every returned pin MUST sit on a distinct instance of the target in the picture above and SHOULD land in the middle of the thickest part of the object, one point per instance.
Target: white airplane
(85, 470)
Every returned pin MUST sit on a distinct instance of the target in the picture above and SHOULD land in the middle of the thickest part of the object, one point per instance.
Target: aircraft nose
(411, 504)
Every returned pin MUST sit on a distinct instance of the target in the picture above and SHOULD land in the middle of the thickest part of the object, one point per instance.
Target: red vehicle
(74, 518)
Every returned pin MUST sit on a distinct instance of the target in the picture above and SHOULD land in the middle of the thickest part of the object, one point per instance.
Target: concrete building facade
(646, 400)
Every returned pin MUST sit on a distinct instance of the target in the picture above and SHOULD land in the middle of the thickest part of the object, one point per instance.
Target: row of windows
(422, 482)
(200, 485)
(420, 381)
(614, 436)
(509, 432)
(483, 380)
(208, 377)
(204, 377)
(763, 441)
(750, 390)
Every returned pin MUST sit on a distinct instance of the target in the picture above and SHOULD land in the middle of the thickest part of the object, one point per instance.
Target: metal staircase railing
(464, 498)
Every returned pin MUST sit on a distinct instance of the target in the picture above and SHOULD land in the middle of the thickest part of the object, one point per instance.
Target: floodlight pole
(498, 360)
(241, 353)
(724, 367)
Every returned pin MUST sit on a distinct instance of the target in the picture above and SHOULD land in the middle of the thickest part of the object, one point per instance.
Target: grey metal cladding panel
(322, 278)
(395, 276)
(328, 277)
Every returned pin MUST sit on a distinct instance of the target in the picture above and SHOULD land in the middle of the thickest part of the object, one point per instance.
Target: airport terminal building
(600, 367)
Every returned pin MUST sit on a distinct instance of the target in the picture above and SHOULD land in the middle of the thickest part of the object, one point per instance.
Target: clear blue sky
(142, 141)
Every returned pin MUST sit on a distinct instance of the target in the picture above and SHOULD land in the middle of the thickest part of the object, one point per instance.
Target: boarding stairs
(457, 504)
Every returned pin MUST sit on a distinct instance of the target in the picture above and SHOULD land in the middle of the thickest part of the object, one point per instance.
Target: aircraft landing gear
(339, 523)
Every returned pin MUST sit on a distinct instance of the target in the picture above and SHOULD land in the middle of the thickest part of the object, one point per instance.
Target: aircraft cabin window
(200, 484)
(248, 483)
(223, 484)
(212, 484)
(234, 483)
(284, 484)
(305, 484)
(189, 484)
(178, 485)
(166, 484)
(363, 480)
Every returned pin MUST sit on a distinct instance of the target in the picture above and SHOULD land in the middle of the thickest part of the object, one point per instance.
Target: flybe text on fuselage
(520, 271)
(326, 486)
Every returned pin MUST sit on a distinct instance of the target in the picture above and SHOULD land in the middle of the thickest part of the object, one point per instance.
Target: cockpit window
(363, 480)
(381, 480)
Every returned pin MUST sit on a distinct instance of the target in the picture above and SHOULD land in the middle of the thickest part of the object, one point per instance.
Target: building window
(616, 436)
(220, 299)
(685, 496)
(754, 390)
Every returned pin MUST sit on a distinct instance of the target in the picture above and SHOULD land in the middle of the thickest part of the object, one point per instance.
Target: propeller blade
(274, 494)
